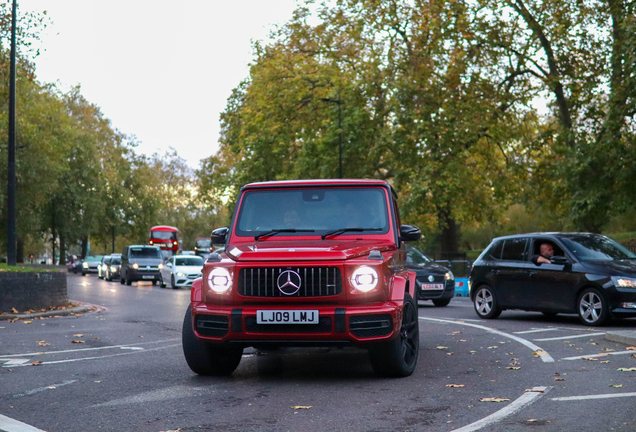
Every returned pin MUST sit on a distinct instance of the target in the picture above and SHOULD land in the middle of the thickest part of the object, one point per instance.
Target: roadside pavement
(623, 336)
(74, 308)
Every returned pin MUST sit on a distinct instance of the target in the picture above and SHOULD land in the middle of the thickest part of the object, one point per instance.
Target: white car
(181, 270)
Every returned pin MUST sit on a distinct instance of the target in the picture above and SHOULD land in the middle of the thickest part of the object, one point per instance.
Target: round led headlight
(85, 264)
(113, 268)
(160, 266)
(364, 279)
(135, 266)
(220, 280)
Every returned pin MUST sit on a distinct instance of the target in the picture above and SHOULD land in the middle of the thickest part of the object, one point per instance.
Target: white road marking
(41, 389)
(569, 337)
(537, 330)
(547, 358)
(100, 357)
(590, 397)
(86, 349)
(520, 403)
(7, 424)
(598, 355)
(13, 362)
(176, 392)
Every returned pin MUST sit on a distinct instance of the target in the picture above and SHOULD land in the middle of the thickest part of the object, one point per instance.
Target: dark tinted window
(514, 249)
(414, 256)
(116, 261)
(596, 247)
(203, 243)
(163, 235)
(495, 251)
(94, 258)
(145, 252)
(190, 261)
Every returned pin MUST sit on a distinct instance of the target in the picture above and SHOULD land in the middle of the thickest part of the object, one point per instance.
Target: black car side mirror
(561, 260)
(410, 233)
(218, 235)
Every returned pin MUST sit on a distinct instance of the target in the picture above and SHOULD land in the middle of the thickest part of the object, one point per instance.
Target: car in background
(71, 263)
(181, 270)
(101, 270)
(188, 252)
(589, 274)
(91, 264)
(141, 262)
(113, 269)
(202, 246)
(433, 281)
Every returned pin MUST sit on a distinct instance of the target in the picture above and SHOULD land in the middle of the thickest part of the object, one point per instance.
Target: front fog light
(220, 280)
(628, 305)
(364, 279)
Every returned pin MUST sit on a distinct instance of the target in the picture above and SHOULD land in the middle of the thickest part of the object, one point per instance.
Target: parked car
(181, 271)
(307, 263)
(433, 281)
(91, 264)
(113, 269)
(589, 274)
(101, 270)
(141, 262)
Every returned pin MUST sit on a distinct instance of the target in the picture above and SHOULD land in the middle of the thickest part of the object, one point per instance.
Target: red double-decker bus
(166, 238)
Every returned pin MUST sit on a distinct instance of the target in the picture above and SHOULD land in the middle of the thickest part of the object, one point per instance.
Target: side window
(515, 249)
(495, 251)
(536, 248)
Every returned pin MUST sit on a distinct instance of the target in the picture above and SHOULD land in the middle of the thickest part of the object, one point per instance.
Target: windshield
(414, 256)
(145, 252)
(116, 261)
(589, 247)
(94, 258)
(189, 261)
(163, 235)
(203, 243)
(320, 210)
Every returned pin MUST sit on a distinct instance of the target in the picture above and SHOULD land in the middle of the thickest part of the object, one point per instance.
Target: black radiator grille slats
(314, 281)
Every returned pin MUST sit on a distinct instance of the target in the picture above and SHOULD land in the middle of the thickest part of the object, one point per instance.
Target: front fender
(403, 283)
(195, 292)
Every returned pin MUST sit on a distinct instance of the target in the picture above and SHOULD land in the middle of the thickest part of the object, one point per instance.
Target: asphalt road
(121, 368)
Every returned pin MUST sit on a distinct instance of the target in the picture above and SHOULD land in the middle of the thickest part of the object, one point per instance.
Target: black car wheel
(592, 308)
(173, 284)
(122, 280)
(398, 358)
(441, 302)
(128, 282)
(486, 303)
(206, 359)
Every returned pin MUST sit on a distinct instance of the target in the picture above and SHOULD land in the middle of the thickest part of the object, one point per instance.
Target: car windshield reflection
(596, 248)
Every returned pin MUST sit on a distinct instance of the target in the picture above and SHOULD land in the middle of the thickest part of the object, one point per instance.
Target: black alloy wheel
(486, 303)
(398, 358)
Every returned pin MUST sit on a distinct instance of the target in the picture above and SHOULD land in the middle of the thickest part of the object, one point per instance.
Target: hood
(188, 269)
(427, 268)
(625, 267)
(154, 262)
(306, 250)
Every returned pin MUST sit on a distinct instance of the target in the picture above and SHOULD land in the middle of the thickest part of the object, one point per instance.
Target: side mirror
(410, 233)
(561, 260)
(168, 264)
(218, 235)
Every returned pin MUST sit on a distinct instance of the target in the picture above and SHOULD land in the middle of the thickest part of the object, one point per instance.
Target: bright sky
(159, 70)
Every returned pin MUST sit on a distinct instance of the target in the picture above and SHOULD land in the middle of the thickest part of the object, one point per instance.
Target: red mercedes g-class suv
(307, 263)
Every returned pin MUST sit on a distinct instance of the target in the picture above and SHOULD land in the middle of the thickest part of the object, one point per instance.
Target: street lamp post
(11, 231)
(339, 102)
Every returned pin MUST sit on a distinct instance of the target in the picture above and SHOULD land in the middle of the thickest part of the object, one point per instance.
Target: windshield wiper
(281, 230)
(344, 230)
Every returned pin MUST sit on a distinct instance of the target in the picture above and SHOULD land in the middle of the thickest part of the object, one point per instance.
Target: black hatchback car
(588, 274)
(433, 281)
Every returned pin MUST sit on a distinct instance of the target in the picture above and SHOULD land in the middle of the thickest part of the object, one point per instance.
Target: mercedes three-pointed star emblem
(289, 282)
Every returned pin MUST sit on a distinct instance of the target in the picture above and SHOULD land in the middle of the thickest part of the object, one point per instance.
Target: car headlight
(135, 266)
(364, 279)
(160, 266)
(220, 280)
(113, 268)
(624, 282)
(449, 276)
(180, 274)
(85, 265)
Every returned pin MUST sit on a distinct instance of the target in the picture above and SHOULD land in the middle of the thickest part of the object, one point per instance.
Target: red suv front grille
(309, 281)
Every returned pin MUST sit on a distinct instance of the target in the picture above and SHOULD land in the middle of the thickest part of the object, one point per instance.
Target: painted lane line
(537, 330)
(569, 337)
(523, 401)
(100, 357)
(547, 358)
(7, 424)
(13, 361)
(590, 397)
(41, 389)
(128, 346)
(598, 355)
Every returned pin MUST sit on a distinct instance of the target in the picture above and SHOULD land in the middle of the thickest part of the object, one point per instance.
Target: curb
(84, 307)
(627, 337)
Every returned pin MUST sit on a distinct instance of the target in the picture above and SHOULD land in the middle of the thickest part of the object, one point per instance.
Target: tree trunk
(84, 247)
(62, 250)
(20, 250)
(449, 240)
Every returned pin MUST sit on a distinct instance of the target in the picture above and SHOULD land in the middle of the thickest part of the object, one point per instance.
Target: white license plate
(148, 277)
(287, 317)
(432, 286)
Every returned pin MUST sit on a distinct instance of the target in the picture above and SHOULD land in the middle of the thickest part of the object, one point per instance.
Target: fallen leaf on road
(455, 385)
(28, 322)
(616, 385)
(634, 355)
(473, 352)
(36, 363)
(605, 361)
(450, 353)
(462, 340)
(513, 367)
(593, 343)
(608, 349)
(77, 341)
(627, 369)
(559, 379)
(302, 407)
(493, 399)
(535, 390)
(494, 346)
(42, 343)
(14, 310)
(631, 348)
(78, 335)
(442, 347)
(589, 359)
